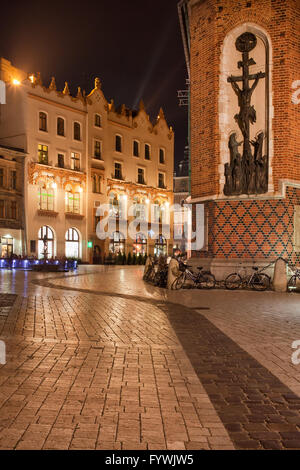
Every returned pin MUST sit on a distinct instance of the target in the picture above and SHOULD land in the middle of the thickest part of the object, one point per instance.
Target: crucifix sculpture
(250, 183)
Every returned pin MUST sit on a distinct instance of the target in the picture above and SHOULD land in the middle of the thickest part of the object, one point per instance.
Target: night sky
(134, 46)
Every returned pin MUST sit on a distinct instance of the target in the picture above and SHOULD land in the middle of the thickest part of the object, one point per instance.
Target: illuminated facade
(82, 153)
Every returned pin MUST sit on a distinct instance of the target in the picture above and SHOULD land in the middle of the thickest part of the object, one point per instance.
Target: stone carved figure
(246, 174)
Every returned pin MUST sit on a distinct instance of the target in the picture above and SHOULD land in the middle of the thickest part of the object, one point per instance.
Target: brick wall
(210, 22)
(252, 228)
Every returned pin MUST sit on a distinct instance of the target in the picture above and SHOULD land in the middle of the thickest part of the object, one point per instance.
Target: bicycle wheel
(260, 282)
(233, 281)
(179, 281)
(292, 283)
(207, 281)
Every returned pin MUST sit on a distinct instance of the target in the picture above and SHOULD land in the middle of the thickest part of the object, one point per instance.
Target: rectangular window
(43, 121)
(13, 179)
(118, 171)
(77, 131)
(75, 161)
(60, 160)
(141, 176)
(97, 120)
(161, 156)
(97, 149)
(136, 150)
(96, 183)
(43, 154)
(13, 210)
(147, 151)
(46, 199)
(2, 209)
(1, 178)
(161, 180)
(73, 202)
(60, 126)
(118, 143)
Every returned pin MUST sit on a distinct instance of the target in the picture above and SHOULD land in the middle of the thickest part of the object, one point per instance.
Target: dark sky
(134, 46)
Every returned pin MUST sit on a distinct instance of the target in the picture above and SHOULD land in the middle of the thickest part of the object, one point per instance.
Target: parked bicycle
(258, 280)
(202, 279)
(292, 282)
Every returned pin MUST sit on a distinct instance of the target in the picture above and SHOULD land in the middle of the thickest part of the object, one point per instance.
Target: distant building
(12, 237)
(82, 153)
(181, 193)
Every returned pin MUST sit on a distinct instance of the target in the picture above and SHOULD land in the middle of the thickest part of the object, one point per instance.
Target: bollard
(280, 277)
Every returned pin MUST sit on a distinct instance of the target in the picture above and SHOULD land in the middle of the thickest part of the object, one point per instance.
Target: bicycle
(258, 280)
(292, 282)
(202, 279)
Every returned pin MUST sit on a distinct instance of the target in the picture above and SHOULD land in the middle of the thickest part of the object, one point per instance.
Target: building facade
(12, 222)
(83, 153)
(244, 62)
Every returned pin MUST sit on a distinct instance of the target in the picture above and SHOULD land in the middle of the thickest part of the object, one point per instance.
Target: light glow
(16, 82)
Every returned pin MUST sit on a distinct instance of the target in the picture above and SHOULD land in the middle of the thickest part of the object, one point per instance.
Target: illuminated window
(117, 243)
(75, 161)
(43, 154)
(160, 247)
(45, 198)
(140, 245)
(77, 133)
(60, 126)
(72, 243)
(72, 201)
(43, 121)
(45, 242)
(7, 245)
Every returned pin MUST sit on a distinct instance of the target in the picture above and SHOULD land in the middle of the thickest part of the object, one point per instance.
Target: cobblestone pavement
(102, 361)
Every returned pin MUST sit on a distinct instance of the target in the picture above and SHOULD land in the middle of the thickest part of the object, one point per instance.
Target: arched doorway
(72, 243)
(45, 241)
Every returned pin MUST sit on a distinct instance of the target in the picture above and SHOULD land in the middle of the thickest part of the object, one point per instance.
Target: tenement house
(82, 152)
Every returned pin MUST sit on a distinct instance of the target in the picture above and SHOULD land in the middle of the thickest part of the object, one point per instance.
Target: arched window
(45, 242)
(72, 198)
(140, 245)
(60, 126)
(43, 121)
(160, 247)
(45, 197)
(77, 131)
(117, 243)
(72, 243)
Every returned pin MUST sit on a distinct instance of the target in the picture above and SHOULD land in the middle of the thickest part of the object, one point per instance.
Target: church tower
(244, 61)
